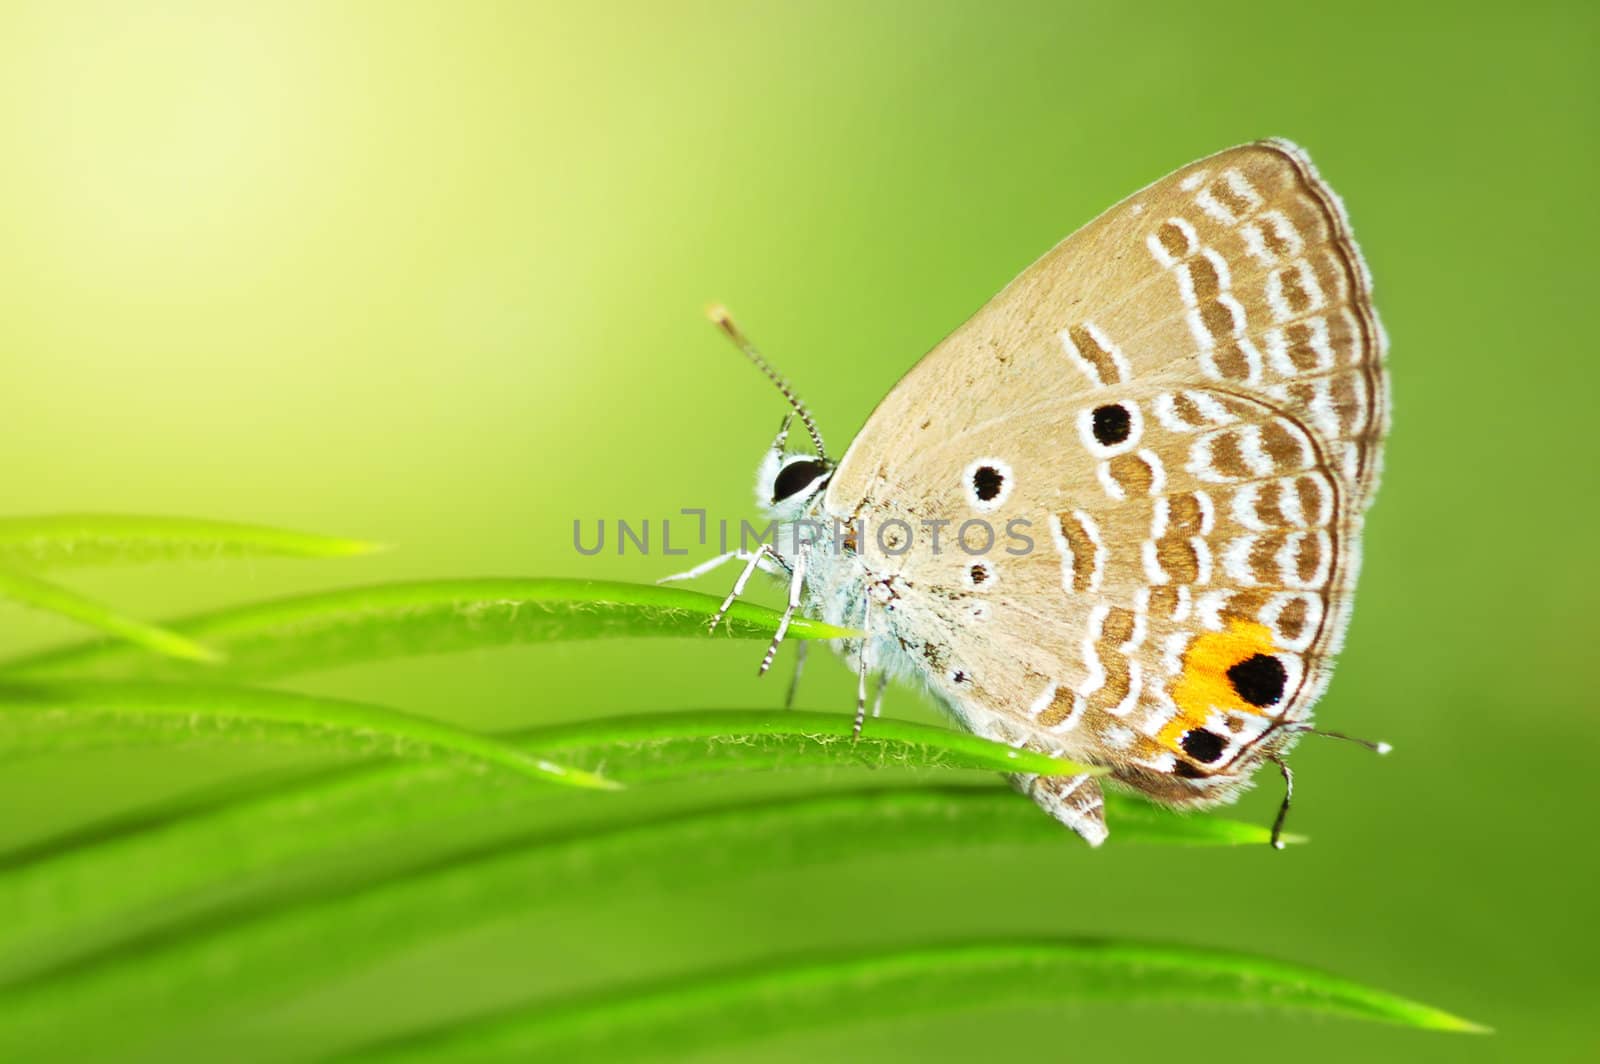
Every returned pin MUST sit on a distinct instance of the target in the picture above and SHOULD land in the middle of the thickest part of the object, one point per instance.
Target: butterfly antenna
(723, 320)
(1288, 776)
(1378, 748)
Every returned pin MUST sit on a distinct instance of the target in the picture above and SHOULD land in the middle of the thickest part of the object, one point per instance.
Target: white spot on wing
(1117, 737)
(1158, 472)
(1110, 483)
(1064, 548)
(1092, 530)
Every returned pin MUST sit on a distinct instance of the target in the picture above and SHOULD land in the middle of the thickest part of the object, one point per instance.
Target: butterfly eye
(795, 476)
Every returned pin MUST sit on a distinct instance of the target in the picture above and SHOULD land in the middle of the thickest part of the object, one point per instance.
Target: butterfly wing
(1182, 404)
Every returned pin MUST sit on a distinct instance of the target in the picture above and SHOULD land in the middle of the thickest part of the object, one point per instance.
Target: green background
(433, 274)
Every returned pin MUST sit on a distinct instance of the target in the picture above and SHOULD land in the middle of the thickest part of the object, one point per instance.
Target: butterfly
(1163, 435)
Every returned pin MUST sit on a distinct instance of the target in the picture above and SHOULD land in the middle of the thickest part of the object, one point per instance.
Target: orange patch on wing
(1203, 685)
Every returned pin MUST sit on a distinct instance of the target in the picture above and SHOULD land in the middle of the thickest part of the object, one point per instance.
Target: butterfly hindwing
(1181, 407)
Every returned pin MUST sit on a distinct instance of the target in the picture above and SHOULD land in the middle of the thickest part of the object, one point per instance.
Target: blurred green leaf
(42, 718)
(150, 986)
(684, 1015)
(122, 539)
(53, 598)
(382, 621)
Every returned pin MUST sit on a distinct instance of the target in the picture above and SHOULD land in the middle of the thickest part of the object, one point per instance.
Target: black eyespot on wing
(987, 482)
(794, 477)
(1259, 679)
(979, 573)
(1112, 423)
(1202, 745)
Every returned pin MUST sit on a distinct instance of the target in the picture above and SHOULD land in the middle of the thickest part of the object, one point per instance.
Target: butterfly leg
(767, 566)
(877, 697)
(800, 652)
(1288, 797)
(762, 551)
(699, 570)
(796, 586)
(861, 672)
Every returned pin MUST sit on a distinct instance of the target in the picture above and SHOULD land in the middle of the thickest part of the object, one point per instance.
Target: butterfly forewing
(1182, 404)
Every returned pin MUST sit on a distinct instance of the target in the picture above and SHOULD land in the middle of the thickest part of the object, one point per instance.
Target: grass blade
(60, 898)
(140, 990)
(119, 539)
(679, 1017)
(39, 718)
(654, 746)
(53, 598)
(384, 621)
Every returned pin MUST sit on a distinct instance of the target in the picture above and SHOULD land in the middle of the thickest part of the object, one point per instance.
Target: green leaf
(354, 625)
(63, 893)
(52, 598)
(118, 539)
(686, 1015)
(41, 718)
(653, 746)
(122, 995)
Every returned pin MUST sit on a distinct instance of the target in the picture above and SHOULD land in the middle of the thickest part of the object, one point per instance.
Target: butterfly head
(787, 482)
